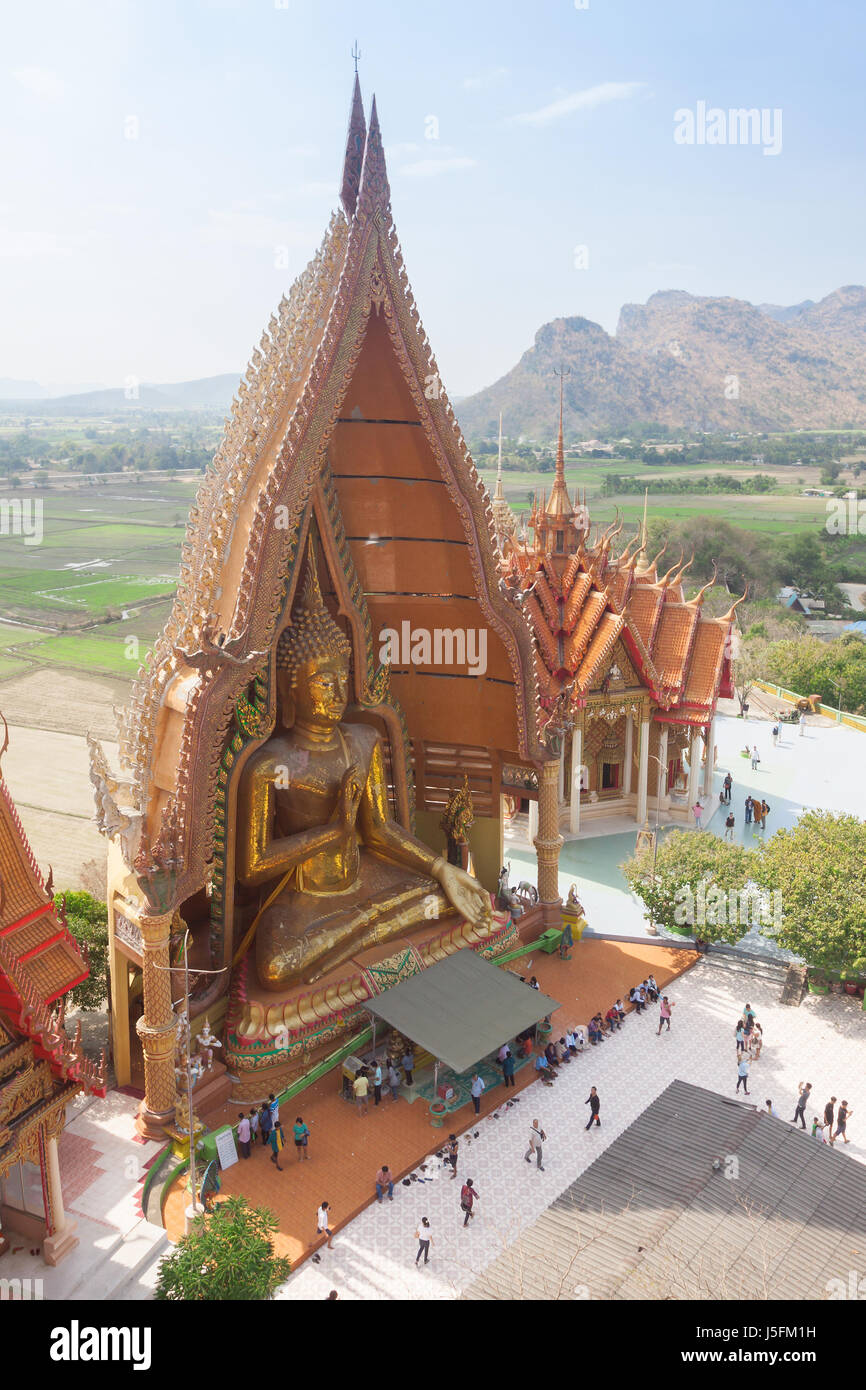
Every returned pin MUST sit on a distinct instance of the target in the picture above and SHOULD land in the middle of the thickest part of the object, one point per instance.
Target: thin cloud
(40, 82)
(484, 79)
(586, 100)
(431, 168)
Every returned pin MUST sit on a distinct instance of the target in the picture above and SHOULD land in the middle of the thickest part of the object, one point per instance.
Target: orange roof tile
(673, 639)
(603, 639)
(575, 600)
(705, 666)
(586, 625)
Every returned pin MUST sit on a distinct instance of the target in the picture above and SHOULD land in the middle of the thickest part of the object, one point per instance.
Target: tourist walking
(728, 785)
(408, 1065)
(818, 1129)
(756, 1042)
(323, 1223)
(537, 1140)
(756, 758)
(244, 1135)
(802, 723)
(748, 810)
(740, 1036)
(771, 1110)
(804, 1093)
(384, 1181)
(360, 1089)
(301, 1136)
(843, 1114)
(828, 1115)
(424, 1239)
(477, 1090)
(566, 941)
(254, 1127)
(274, 1107)
(275, 1141)
(729, 826)
(664, 1014)
(451, 1153)
(393, 1081)
(377, 1082)
(743, 1074)
(508, 1069)
(265, 1123)
(697, 812)
(594, 1104)
(468, 1196)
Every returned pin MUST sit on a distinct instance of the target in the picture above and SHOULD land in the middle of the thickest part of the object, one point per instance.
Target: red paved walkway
(346, 1150)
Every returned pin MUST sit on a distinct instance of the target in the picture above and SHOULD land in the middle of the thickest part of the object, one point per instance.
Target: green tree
(700, 883)
(227, 1257)
(87, 919)
(819, 869)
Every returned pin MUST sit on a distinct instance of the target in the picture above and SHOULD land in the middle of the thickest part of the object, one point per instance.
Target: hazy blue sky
(155, 256)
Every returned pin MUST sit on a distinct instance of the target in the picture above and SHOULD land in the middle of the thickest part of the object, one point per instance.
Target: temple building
(629, 670)
(341, 658)
(41, 1068)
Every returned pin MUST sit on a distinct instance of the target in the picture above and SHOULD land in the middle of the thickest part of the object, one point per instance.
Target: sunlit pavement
(822, 1041)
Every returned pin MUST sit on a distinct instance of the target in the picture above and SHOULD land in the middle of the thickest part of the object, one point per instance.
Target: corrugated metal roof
(461, 1009)
(652, 1219)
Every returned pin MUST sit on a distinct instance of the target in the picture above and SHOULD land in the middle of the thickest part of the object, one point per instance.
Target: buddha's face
(320, 691)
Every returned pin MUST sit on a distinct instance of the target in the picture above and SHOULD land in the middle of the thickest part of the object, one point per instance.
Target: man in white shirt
(244, 1135)
(323, 1223)
(537, 1138)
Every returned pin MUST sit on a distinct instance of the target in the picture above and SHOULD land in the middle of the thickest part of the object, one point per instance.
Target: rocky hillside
(689, 362)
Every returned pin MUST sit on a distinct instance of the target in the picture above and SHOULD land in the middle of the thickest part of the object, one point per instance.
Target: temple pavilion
(629, 670)
(41, 1068)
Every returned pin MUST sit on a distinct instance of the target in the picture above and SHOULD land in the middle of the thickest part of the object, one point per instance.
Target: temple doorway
(610, 776)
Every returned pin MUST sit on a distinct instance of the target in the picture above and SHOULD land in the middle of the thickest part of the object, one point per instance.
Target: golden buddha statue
(315, 831)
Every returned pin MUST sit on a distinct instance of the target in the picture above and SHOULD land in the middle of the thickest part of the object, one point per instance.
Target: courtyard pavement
(822, 1041)
(825, 769)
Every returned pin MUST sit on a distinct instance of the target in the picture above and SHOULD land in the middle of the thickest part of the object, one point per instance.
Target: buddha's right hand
(349, 798)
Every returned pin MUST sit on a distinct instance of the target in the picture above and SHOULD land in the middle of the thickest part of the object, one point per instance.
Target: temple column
(643, 769)
(532, 831)
(561, 784)
(694, 766)
(157, 1029)
(708, 769)
(548, 843)
(629, 753)
(576, 763)
(62, 1238)
(662, 787)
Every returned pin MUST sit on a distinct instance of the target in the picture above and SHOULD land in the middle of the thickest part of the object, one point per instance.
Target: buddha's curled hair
(312, 632)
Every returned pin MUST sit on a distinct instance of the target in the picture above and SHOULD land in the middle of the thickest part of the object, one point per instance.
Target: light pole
(662, 771)
(189, 1081)
(838, 686)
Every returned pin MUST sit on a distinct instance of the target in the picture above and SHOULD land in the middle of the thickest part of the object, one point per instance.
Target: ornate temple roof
(581, 599)
(40, 961)
(287, 447)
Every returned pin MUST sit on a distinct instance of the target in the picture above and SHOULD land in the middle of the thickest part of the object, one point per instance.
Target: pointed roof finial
(560, 502)
(374, 191)
(356, 53)
(355, 141)
(642, 553)
(498, 494)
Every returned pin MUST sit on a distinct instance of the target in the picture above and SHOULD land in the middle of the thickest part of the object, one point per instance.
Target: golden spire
(354, 158)
(560, 502)
(642, 565)
(503, 521)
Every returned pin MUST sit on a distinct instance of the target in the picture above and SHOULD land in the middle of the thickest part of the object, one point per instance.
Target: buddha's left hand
(465, 893)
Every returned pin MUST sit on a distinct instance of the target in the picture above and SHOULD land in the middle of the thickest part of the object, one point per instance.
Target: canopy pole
(373, 1016)
(435, 1077)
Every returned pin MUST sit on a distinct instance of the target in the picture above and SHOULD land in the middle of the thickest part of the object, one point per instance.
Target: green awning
(461, 1009)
